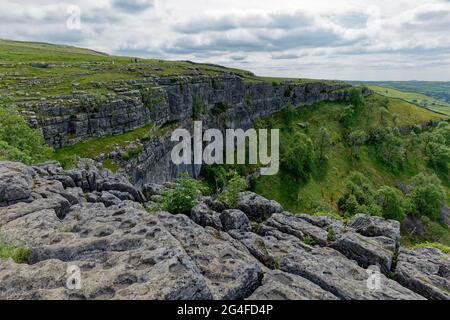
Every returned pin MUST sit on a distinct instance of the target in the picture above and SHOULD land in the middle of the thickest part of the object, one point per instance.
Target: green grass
(93, 147)
(74, 69)
(328, 179)
(414, 98)
(18, 254)
(436, 245)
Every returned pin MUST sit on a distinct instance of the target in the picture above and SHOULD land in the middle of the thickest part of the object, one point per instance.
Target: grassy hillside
(327, 180)
(436, 89)
(65, 70)
(414, 98)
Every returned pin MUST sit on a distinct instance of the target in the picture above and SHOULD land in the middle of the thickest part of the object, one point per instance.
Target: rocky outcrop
(90, 238)
(426, 271)
(132, 104)
(222, 101)
(256, 207)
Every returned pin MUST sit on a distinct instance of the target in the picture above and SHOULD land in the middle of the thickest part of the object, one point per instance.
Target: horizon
(345, 39)
(226, 66)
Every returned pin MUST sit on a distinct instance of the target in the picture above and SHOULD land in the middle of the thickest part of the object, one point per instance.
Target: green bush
(219, 108)
(427, 195)
(391, 202)
(183, 198)
(347, 116)
(358, 197)
(297, 154)
(230, 193)
(392, 152)
(356, 98)
(18, 254)
(288, 114)
(437, 147)
(197, 109)
(19, 142)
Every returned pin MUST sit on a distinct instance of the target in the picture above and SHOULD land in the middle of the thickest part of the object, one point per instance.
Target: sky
(333, 39)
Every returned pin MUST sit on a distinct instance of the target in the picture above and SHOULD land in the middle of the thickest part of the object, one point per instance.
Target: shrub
(288, 114)
(347, 116)
(197, 109)
(308, 240)
(391, 202)
(19, 142)
(18, 254)
(355, 140)
(219, 108)
(391, 151)
(358, 197)
(235, 185)
(427, 195)
(297, 154)
(183, 198)
(437, 146)
(323, 142)
(355, 98)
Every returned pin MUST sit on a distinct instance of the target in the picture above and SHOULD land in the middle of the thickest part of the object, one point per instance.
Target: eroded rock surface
(94, 221)
(426, 271)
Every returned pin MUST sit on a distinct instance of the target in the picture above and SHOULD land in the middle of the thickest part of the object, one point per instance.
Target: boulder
(298, 227)
(367, 251)
(375, 226)
(425, 271)
(234, 220)
(16, 182)
(202, 215)
(279, 285)
(256, 207)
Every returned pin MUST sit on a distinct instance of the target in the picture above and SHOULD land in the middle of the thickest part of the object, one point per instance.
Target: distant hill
(434, 95)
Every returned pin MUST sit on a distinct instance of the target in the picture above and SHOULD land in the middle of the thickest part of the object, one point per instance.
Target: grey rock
(375, 226)
(234, 220)
(279, 285)
(230, 273)
(367, 251)
(153, 189)
(298, 227)
(425, 271)
(202, 215)
(256, 207)
(325, 267)
(325, 223)
(109, 199)
(16, 182)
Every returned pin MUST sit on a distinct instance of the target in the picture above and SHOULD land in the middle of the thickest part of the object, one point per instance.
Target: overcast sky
(333, 39)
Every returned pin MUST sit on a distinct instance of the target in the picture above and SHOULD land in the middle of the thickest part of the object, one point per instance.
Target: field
(414, 98)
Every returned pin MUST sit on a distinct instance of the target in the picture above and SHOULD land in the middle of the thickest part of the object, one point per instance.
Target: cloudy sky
(333, 39)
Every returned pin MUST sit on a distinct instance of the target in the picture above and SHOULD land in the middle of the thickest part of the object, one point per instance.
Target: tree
(347, 116)
(356, 98)
(391, 151)
(358, 196)
(427, 195)
(355, 140)
(391, 202)
(19, 142)
(297, 154)
(437, 146)
(323, 142)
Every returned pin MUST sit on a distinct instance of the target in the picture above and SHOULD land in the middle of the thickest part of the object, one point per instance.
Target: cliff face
(162, 100)
(92, 220)
(225, 101)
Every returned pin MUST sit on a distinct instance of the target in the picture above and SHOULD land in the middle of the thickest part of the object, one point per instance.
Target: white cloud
(347, 39)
